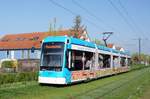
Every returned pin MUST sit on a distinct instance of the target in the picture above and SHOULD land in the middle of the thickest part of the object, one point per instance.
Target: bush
(17, 77)
(9, 64)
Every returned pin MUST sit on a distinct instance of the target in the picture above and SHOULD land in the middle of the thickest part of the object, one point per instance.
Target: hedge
(9, 64)
(17, 77)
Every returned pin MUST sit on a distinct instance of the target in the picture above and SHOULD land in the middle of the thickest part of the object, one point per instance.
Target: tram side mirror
(32, 49)
(67, 41)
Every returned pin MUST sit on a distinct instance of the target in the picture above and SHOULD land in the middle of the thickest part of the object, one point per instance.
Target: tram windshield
(52, 56)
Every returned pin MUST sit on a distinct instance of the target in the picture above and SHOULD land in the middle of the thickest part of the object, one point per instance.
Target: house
(18, 46)
(111, 46)
(116, 47)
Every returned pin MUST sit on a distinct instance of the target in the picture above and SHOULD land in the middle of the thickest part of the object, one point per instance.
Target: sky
(127, 19)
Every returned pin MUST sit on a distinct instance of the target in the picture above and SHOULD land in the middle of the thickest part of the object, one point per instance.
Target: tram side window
(129, 61)
(89, 60)
(100, 61)
(116, 61)
(76, 60)
(80, 60)
(123, 61)
(104, 61)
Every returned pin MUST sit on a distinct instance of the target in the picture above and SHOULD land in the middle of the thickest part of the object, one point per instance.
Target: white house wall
(17, 54)
(3, 54)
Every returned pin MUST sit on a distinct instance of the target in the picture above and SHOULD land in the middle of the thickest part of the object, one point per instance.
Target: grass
(137, 66)
(129, 85)
(146, 95)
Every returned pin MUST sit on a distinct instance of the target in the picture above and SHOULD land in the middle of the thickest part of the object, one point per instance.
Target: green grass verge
(129, 85)
(137, 66)
(6, 78)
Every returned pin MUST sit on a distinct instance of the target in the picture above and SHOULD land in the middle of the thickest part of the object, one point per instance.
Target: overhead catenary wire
(140, 45)
(135, 25)
(95, 25)
(123, 17)
(130, 18)
(87, 11)
(100, 19)
(93, 15)
(74, 14)
(131, 26)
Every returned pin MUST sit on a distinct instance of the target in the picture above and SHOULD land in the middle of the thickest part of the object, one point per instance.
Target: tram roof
(55, 39)
(82, 43)
(71, 40)
(100, 47)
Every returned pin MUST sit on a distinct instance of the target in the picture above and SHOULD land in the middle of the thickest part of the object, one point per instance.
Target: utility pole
(139, 49)
(54, 24)
(139, 41)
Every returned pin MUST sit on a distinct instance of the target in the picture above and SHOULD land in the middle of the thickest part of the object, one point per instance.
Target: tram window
(100, 61)
(89, 60)
(52, 56)
(123, 61)
(104, 61)
(115, 61)
(129, 61)
(77, 62)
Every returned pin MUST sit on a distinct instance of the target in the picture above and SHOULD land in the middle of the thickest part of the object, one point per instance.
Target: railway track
(109, 86)
(98, 89)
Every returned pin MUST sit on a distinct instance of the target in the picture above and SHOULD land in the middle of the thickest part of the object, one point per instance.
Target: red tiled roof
(28, 40)
(110, 45)
(116, 47)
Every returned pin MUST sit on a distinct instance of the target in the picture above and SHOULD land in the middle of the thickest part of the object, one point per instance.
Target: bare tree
(77, 25)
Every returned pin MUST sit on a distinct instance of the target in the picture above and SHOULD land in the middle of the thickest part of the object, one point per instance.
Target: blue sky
(24, 16)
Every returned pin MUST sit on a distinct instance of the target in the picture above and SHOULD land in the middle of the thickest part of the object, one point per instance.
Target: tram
(66, 60)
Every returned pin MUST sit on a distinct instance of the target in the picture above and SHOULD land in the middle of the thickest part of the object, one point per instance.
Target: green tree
(142, 59)
(149, 59)
(135, 58)
(98, 42)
